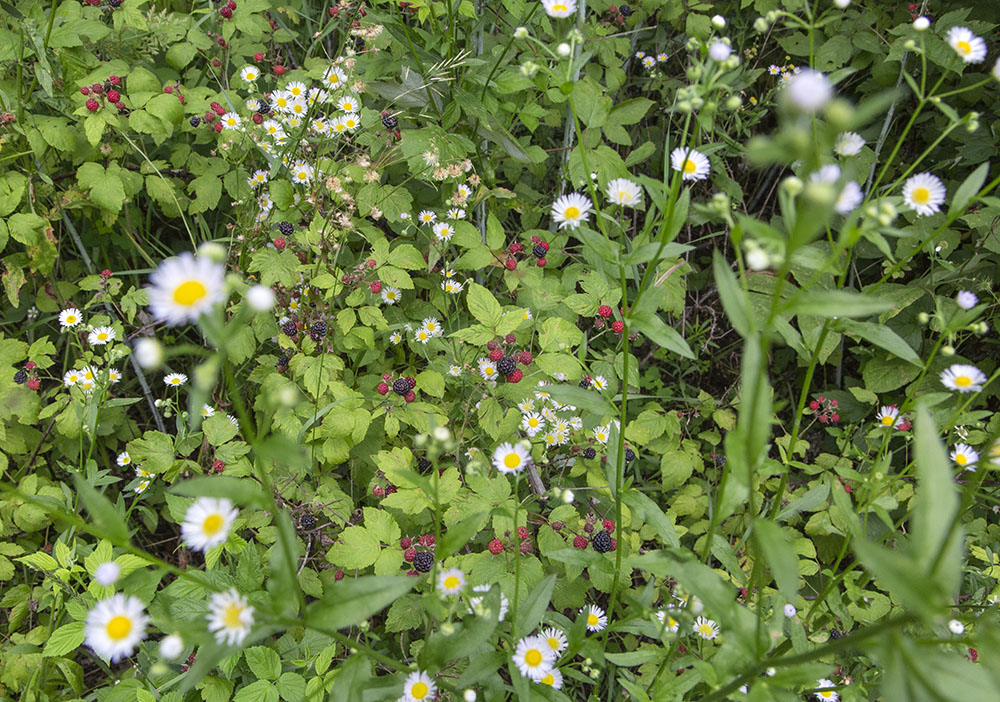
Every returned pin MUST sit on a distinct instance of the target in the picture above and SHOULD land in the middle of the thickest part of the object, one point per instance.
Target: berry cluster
(602, 541)
(215, 111)
(825, 410)
(227, 10)
(506, 360)
(107, 93)
(539, 249)
(422, 561)
(27, 376)
(382, 487)
(617, 14)
(402, 386)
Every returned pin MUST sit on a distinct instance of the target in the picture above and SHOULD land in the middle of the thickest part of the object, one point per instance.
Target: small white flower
(969, 47)
(595, 617)
(849, 144)
(571, 210)
(965, 456)
(624, 192)
(559, 8)
(123, 459)
(692, 164)
(966, 299)
(601, 434)
(826, 691)
(510, 458)
(334, 77)
(451, 581)
(956, 627)
(553, 679)
(925, 193)
(455, 371)
(418, 687)
(719, 51)
(469, 695)
(181, 290)
(107, 573)
(887, 415)
(719, 22)
(249, 74)
(809, 91)
(231, 120)
(534, 657)
(70, 317)
(260, 298)
(348, 104)
(963, 378)
(390, 295)
(101, 336)
(171, 646)
(115, 626)
(72, 377)
(452, 287)
(921, 23)
(207, 411)
(207, 522)
(426, 217)
(790, 610)
(443, 231)
(705, 628)
(175, 379)
(475, 602)
(230, 616)
(666, 619)
(555, 638)
(302, 173)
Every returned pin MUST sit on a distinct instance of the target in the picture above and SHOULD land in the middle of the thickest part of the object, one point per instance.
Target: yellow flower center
(553, 642)
(119, 627)
(690, 166)
(592, 619)
(548, 680)
(303, 175)
(921, 195)
(963, 381)
(419, 690)
(624, 196)
(705, 630)
(963, 47)
(887, 420)
(560, 8)
(213, 524)
(189, 292)
(71, 319)
(488, 370)
(512, 460)
(533, 422)
(960, 459)
(251, 75)
(231, 617)
(602, 437)
(533, 657)
(571, 212)
(451, 582)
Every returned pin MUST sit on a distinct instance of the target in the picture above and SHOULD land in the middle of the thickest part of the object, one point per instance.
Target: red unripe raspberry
(30, 365)
(231, 4)
(180, 98)
(515, 376)
(492, 345)
(410, 396)
(387, 376)
(614, 544)
(823, 419)
(536, 240)
(334, 11)
(114, 80)
(216, 62)
(847, 488)
(226, 12)
(496, 547)
(280, 243)
(496, 355)
(510, 339)
(412, 382)
(376, 286)
(973, 654)
(544, 245)
(257, 118)
(526, 358)
(34, 384)
(85, 90)
(618, 326)
(580, 542)
(510, 264)
(516, 248)
(821, 398)
(106, 274)
(383, 389)
(258, 57)
(218, 127)
(169, 89)
(371, 263)
(609, 526)
(833, 403)
(278, 70)
(541, 262)
(526, 547)
(814, 405)
(409, 554)
(121, 106)
(405, 542)
(378, 491)
(339, 575)
(414, 573)
(93, 105)
(522, 532)
(114, 95)
(605, 311)
(427, 540)
(97, 88)
(835, 417)
(209, 117)
(219, 109)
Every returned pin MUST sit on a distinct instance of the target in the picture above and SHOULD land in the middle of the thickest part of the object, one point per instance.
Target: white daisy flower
(969, 47)
(171, 646)
(317, 95)
(334, 77)
(887, 415)
(350, 121)
(390, 295)
(451, 581)
(207, 411)
(141, 487)
(452, 287)
(532, 423)
(693, 164)
(184, 287)
(963, 378)
(418, 687)
(475, 602)
(966, 300)
(302, 173)
(249, 74)
(456, 213)
(70, 317)
(443, 231)
(511, 458)
(825, 691)
(571, 210)
(809, 91)
(230, 616)
(624, 192)
(670, 624)
(115, 626)
(559, 8)
(925, 193)
(555, 638)
(319, 125)
(231, 120)
(534, 658)
(849, 144)
(259, 177)
(348, 104)
(463, 191)
(101, 336)
(207, 522)
(526, 405)
(107, 573)
(849, 199)
(705, 628)
(549, 414)
(774, 70)
(487, 369)
(175, 379)
(337, 126)
(298, 108)
(649, 62)
(297, 89)
(273, 128)
(662, 58)
(640, 54)
(599, 382)
(280, 100)
(422, 335)
(719, 51)
(426, 217)
(123, 459)
(432, 325)
(965, 456)
(596, 618)
(455, 371)
(395, 338)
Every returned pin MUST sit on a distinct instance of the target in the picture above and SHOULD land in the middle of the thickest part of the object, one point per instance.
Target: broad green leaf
(264, 662)
(968, 190)
(357, 547)
(652, 514)
(531, 609)
(937, 501)
(482, 305)
(353, 600)
(242, 491)
(64, 639)
(836, 303)
(883, 337)
(661, 333)
(585, 399)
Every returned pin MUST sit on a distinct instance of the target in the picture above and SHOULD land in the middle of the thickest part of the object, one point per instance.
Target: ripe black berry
(389, 121)
(629, 455)
(308, 521)
(318, 331)
(21, 377)
(286, 228)
(538, 250)
(423, 464)
(115, 3)
(423, 562)
(263, 106)
(625, 10)
(585, 383)
(289, 328)
(507, 365)
(283, 360)
(601, 542)
(195, 121)
(835, 633)
(400, 386)
(589, 452)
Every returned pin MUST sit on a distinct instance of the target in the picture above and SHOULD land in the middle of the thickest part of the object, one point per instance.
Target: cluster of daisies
(88, 377)
(429, 328)
(573, 209)
(116, 625)
(144, 477)
(537, 656)
(650, 61)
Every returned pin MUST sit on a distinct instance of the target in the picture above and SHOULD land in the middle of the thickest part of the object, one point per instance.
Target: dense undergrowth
(469, 350)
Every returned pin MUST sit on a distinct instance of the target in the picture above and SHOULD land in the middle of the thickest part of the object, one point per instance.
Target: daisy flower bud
(718, 21)
(921, 23)
(260, 298)
(521, 33)
(809, 91)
